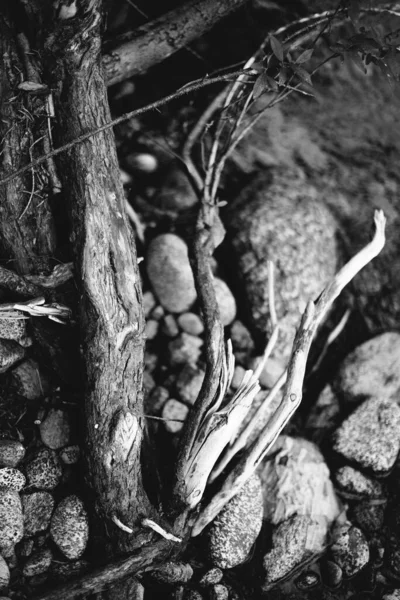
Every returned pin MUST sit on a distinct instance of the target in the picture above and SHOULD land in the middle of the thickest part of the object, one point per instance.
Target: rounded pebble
(350, 549)
(43, 470)
(151, 329)
(69, 527)
(237, 378)
(55, 430)
(170, 273)
(11, 520)
(170, 326)
(10, 353)
(191, 323)
(38, 508)
(12, 479)
(11, 453)
(354, 482)
(184, 349)
(39, 562)
(27, 381)
(226, 302)
(189, 383)
(174, 413)
(211, 577)
(4, 574)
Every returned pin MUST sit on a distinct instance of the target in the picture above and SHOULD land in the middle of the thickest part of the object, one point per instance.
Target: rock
(368, 516)
(12, 479)
(55, 430)
(141, 162)
(170, 327)
(350, 549)
(150, 361)
(352, 482)
(211, 577)
(191, 323)
(237, 378)
(279, 217)
(10, 353)
(70, 455)
(158, 313)
(69, 527)
(241, 338)
(68, 570)
(307, 581)
(14, 327)
(394, 595)
(149, 303)
(185, 349)
(172, 572)
(37, 508)
(11, 453)
(27, 380)
(371, 371)
(331, 573)
(295, 541)
(174, 413)
(297, 482)
(156, 400)
(324, 416)
(233, 532)
(25, 547)
(43, 469)
(11, 520)
(271, 372)
(151, 329)
(4, 574)
(176, 192)
(189, 383)
(226, 302)
(219, 592)
(39, 562)
(170, 273)
(370, 436)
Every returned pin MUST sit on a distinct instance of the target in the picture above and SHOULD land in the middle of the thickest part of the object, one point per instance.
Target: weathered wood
(111, 317)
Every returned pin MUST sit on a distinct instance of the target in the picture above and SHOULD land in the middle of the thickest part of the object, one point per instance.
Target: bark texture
(111, 316)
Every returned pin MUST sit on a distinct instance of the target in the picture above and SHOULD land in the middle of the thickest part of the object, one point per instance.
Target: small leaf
(303, 74)
(284, 75)
(261, 85)
(305, 56)
(272, 84)
(258, 67)
(355, 58)
(277, 47)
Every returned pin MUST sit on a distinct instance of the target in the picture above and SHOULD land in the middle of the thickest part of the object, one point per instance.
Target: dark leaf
(354, 58)
(276, 47)
(272, 84)
(284, 75)
(303, 75)
(261, 85)
(305, 56)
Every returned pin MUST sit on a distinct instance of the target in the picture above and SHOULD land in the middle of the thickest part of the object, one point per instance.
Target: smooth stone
(271, 372)
(189, 382)
(10, 353)
(297, 482)
(372, 370)
(156, 400)
(237, 378)
(185, 349)
(233, 532)
(69, 527)
(173, 409)
(219, 592)
(14, 327)
(11, 520)
(191, 323)
(43, 470)
(370, 436)
(226, 302)
(170, 273)
(176, 192)
(241, 338)
(278, 216)
(141, 162)
(148, 303)
(151, 329)
(27, 380)
(39, 562)
(70, 455)
(350, 549)
(369, 517)
(4, 574)
(37, 508)
(211, 577)
(12, 479)
(11, 453)
(55, 430)
(294, 541)
(170, 326)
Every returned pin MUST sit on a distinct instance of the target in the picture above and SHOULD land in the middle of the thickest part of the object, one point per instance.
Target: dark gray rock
(369, 516)
(189, 383)
(70, 455)
(11, 453)
(233, 532)
(170, 273)
(176, 192)
(55, 430)
(11, 520)
(10, 353)
(39, 562)
(27, 380)
(211, 577)
(69, 527)
(350, 549)
(43, 469)
(370, 436)
(12, 479)
(38, 508)
(294, 542)
(371, 371)
(65, 571)
(279, 217)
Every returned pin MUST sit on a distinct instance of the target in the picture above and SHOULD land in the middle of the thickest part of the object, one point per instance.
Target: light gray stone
(43, 469)
(12, 479)
(38, 508)
(170, 273)
(226, 302)
(355, 483)
(4, 574)
(189, 382)
(55, 430)
(350, 549)
(191, 323)
(69, 527)
(174, 413)
(11, 453)
(11, 520)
